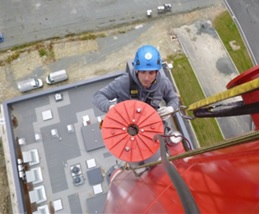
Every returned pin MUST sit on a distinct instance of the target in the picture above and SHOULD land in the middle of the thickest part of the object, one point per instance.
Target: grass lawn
(206, 129)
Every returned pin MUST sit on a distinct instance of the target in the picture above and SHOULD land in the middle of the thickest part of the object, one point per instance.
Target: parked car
(56, 76)
(29, 84)
(149, 13)
(164, 8)
(168, 7)
(1, 37)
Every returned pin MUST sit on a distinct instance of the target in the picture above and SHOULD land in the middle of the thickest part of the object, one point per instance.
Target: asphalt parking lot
(33, 20)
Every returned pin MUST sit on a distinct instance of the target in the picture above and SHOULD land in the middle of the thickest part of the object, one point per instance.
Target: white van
(29, 84)
(56, 76)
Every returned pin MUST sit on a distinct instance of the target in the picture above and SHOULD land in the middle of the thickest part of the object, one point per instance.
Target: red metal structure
(221, 179)
(251, 97)
(128, 131)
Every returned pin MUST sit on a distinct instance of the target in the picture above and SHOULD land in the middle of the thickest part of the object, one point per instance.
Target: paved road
(31, 20)
(246, 14)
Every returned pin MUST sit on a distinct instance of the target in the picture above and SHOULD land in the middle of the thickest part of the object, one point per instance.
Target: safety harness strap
(238, 90)
(134, 92)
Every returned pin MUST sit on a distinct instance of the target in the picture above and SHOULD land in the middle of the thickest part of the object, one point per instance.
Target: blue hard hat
(147, 58)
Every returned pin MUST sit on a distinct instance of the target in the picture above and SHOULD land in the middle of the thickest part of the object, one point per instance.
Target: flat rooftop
(58, 159)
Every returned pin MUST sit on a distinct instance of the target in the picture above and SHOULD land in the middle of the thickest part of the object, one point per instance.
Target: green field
(206, 129)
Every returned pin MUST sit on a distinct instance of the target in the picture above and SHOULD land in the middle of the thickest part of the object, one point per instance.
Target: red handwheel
(128, 130)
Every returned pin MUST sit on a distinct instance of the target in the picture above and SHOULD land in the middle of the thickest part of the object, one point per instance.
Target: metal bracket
(183, 115)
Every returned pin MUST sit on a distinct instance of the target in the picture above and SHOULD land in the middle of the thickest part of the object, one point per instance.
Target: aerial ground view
(86, 55)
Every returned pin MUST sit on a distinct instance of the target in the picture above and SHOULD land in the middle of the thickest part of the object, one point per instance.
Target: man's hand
(111, 106)
(165, 112)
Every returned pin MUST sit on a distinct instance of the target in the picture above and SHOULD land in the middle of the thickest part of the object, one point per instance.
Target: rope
(238, 90)
(184, 193)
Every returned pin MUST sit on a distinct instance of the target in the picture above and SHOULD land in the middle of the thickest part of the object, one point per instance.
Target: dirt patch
(234, 45)
(73, 48)
(29, 63)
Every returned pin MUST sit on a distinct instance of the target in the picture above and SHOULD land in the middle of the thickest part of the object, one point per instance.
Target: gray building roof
(55, 137)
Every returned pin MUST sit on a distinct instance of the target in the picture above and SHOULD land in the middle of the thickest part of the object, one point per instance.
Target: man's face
(146, 78)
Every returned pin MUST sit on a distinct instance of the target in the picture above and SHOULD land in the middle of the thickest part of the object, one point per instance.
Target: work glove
(165, 112)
